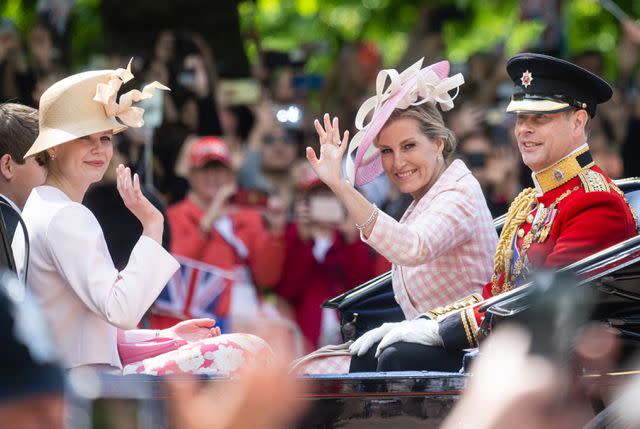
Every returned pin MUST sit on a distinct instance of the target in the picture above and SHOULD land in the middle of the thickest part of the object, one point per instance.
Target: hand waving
(329, 166)
(150, 217)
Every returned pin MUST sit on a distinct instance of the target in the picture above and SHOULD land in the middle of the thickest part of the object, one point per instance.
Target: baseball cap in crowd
(208, 149)
(414, 86)
(28, 365)
(546, 84)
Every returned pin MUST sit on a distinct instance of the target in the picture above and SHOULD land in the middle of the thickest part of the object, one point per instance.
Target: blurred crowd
(228, 162)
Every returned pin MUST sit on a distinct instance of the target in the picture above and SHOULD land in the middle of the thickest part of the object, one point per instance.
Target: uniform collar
(11, 203)
(562, 171)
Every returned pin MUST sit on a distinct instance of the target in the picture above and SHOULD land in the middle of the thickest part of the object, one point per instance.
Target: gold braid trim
(440, 313)
(517, 214)
(465, 325)
(624, 197)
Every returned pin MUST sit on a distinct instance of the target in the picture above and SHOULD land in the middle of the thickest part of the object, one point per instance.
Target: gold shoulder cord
(624, 197)
(516, 215)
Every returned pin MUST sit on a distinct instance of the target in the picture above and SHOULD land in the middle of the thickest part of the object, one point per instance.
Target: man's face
(543, 139)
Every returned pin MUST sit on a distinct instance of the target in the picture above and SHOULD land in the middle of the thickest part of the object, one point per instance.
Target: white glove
(369, 338)
(418, 331)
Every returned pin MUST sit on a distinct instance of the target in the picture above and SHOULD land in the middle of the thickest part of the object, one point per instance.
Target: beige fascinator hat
(85, 103)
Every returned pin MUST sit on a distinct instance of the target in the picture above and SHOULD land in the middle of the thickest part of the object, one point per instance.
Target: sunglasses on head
(270, 139)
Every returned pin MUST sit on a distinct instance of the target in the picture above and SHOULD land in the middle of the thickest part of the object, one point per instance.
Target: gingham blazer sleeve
(444, 223)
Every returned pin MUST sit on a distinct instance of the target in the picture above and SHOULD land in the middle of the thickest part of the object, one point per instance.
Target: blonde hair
(430, 123)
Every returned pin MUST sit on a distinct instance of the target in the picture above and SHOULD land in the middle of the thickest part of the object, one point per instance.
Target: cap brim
(536, 106)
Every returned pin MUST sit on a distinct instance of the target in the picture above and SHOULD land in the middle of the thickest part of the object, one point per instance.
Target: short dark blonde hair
(430, 123)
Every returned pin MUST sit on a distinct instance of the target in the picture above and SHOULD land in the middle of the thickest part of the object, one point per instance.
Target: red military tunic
(576, 212)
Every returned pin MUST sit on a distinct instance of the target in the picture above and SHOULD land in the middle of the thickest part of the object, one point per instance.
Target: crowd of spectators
(228, 158)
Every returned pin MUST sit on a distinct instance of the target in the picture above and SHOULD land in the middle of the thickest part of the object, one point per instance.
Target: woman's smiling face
(84, 161)
(410, 159)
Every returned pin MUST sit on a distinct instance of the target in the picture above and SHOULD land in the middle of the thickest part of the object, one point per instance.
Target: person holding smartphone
(324, 258)
(448, 224)
(208, 226)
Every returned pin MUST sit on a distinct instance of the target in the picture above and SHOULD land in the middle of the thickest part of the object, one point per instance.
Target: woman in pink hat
(90, 306)
(442, 248)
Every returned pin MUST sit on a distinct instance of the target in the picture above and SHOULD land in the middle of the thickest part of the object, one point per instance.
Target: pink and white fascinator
(413, 87)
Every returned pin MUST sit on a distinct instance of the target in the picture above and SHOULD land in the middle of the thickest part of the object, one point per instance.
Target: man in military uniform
(574, 211)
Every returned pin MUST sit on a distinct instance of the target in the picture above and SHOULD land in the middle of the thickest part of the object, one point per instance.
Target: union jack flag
(196, 290)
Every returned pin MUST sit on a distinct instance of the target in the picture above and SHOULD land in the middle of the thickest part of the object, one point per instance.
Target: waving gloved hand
(419, 331)
(369, 338)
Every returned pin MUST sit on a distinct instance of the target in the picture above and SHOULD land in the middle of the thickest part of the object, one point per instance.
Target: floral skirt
(224, 355)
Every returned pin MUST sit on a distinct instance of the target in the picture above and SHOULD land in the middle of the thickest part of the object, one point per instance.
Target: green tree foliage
(86, 30)
(22, 12)
(483, 25)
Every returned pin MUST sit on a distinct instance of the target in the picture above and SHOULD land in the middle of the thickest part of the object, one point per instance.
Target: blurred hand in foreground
(263, 397)
(511, 388)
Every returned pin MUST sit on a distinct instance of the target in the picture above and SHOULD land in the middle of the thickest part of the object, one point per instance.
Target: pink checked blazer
(442, 249)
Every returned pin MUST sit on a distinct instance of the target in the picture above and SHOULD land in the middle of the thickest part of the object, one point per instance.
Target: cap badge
(526, 78)
(558, 175)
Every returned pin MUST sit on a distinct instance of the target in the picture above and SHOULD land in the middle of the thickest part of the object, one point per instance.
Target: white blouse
(83, 296)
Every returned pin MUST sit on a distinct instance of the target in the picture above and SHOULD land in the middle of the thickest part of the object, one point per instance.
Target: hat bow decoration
(414, 86)
(106, 94)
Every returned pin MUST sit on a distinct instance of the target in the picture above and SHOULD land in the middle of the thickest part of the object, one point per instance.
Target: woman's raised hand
(149, 216)
(329, 166)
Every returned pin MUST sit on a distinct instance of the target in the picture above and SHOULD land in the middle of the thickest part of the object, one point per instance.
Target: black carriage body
(421, 399)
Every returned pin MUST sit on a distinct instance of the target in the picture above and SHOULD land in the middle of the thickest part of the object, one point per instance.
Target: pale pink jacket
(442, 249)
(85, 299)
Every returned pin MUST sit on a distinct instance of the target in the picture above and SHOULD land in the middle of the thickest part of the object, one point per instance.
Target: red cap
(207, 149)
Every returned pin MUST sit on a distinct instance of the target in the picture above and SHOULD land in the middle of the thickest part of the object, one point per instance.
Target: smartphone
(186, 78)
(326, 209)
(239, 91)
(309, 82)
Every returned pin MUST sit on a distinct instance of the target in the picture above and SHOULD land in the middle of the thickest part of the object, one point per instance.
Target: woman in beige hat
(91, 307)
